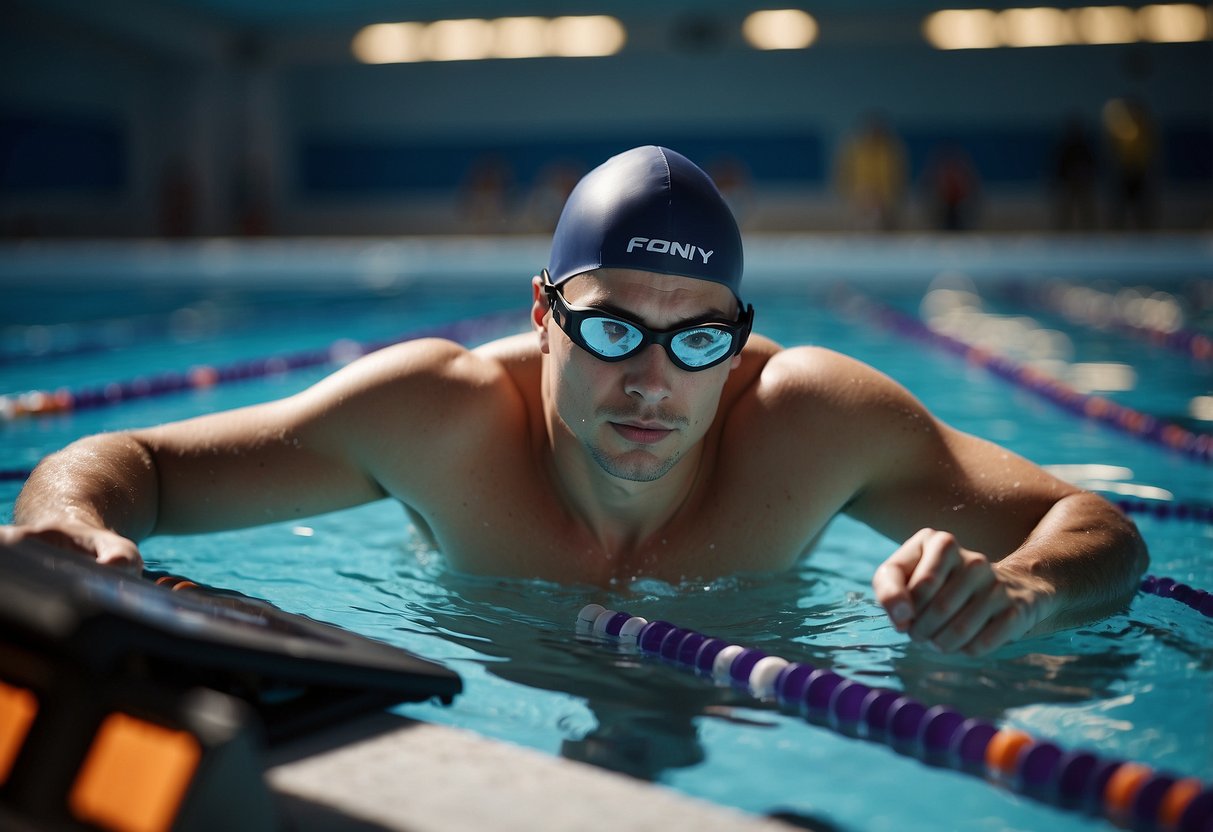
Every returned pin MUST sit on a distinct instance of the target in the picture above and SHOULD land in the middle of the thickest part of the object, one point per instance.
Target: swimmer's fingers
(1007, 626)
(116, 550)
(889, 584)
(909, 577)
(961, 599)
(955, 599)
(987, 621)
(106, 547)
(1004, 611)
(1026, 601)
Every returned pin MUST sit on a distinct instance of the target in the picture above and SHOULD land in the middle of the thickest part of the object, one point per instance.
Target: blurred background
(180, 118)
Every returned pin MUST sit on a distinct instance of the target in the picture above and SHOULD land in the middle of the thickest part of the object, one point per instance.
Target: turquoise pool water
(1138, 685)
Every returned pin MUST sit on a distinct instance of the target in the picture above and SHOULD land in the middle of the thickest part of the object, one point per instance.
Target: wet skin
(530, 457)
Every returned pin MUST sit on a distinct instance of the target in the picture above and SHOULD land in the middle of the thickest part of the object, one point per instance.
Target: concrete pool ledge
(796, 258)
(387, 772)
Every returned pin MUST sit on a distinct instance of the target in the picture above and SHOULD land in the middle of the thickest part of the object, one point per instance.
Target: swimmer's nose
(648, 374)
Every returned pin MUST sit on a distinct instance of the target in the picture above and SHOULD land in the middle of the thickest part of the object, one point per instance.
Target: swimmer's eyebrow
(712, 315)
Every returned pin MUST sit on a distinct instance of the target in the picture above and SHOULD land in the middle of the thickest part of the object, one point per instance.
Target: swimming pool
(1136, 686)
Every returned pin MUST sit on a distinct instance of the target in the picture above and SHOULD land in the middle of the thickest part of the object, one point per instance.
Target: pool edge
(395, 773)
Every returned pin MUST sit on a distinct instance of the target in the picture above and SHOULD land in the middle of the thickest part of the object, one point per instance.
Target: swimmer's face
(637, 417)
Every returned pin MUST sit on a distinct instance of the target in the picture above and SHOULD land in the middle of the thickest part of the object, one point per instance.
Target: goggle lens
(610, 337)
(702, 346)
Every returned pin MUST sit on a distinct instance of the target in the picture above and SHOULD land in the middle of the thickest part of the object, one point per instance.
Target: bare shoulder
(425, 400)
(811, 404)
(421, 359)
(817, 377)
(416, 369)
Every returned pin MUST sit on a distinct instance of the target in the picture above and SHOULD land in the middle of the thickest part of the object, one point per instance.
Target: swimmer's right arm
(103, 494)
(385, 418)
(91, 497)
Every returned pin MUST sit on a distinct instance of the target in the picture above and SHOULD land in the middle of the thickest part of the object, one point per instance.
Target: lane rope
(1198, 599)
(1129, 794)
(1197, 446)
(1159, 510)
(1103, 312)
(343, 351)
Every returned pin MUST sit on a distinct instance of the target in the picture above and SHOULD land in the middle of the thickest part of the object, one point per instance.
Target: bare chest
(508, 524)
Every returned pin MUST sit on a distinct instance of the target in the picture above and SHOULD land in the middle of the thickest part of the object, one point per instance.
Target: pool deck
(796, 259)
(387, 772)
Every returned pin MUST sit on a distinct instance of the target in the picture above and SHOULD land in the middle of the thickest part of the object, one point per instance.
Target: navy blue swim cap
(649, 209)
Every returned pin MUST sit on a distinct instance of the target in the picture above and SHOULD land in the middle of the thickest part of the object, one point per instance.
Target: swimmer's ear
(539, 311)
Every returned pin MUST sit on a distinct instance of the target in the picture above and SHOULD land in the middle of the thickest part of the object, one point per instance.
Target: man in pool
(636, 430)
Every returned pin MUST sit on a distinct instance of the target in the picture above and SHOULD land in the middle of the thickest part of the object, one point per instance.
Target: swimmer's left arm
(995, 547)
(1081, 562)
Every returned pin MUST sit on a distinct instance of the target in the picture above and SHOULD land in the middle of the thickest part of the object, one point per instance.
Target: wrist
(1038, 595)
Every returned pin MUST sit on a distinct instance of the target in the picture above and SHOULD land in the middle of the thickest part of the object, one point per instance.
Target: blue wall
(62, 154)
(355, 165)
(93, 111)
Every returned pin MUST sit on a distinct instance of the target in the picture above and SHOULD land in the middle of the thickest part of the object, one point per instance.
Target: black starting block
(141, 703)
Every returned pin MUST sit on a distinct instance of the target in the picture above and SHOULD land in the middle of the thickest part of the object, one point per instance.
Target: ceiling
(207, 28)
(265, 14)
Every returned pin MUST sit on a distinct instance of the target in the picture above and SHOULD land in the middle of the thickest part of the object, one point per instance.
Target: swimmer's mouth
(644, 434)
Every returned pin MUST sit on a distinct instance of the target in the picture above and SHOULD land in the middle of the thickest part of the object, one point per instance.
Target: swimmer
(637, 429)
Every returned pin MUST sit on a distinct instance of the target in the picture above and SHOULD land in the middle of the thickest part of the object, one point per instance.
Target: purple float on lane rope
(939, 735)
(1198, 599)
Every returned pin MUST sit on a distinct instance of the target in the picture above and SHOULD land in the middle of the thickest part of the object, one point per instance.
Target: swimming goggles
(613, 336)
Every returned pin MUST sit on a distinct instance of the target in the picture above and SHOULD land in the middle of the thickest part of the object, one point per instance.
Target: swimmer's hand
(106, 547)
(957, 600)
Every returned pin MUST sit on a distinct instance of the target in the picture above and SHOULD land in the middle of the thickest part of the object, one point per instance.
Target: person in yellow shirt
(871, 176)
